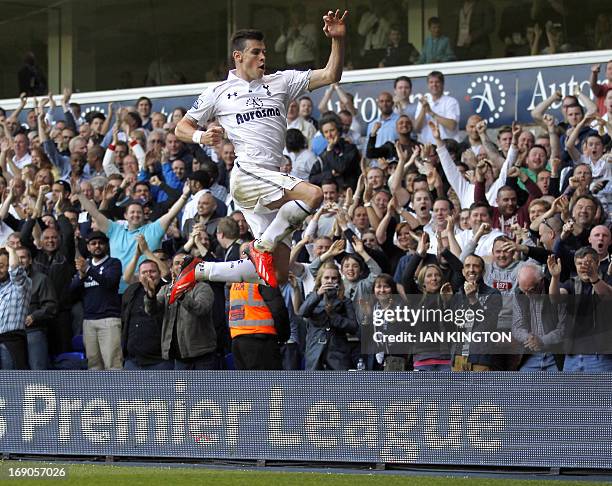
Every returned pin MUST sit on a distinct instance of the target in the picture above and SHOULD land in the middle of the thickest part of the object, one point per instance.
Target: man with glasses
(155, 141)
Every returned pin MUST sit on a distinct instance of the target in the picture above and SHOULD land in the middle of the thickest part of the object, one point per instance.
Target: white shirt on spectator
(353, 136)
(597, 168)
(322, 227)
(430, 229)
(595, 124)
(485, 244)
(375, 30)
(5, 232)
(307, 128)
(464, 188)
(302, 163)
(23, 161)
(308, 280)
(445, 106)
(300, 47)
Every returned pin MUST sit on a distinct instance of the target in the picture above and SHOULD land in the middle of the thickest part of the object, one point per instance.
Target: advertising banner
(509, 419)
(499, 97)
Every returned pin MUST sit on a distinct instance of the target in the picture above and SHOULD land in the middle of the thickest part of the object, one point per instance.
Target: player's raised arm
(335, 28)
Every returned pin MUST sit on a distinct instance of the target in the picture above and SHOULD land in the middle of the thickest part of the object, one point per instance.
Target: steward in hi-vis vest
(259, 323)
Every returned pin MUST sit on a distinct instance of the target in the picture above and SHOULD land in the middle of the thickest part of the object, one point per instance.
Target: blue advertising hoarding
(499, 97)
(486, 419)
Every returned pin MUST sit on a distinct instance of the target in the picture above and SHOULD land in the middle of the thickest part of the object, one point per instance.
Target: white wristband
(197, 136)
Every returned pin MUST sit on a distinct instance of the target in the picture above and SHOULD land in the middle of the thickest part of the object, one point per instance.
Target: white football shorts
(252, 188)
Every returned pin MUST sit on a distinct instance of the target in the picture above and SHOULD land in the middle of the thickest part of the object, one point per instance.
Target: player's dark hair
(505, 188)
(142, 183)
(133, 203)
(240, 38)
(136, 117)
(504, 129)
(538, 146)
(330, 118)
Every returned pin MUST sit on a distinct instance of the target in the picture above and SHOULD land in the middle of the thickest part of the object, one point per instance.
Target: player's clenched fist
(212, 136)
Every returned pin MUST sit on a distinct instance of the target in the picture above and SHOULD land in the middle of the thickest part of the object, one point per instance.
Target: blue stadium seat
(229, 361)
(77, 343)
(69, 361)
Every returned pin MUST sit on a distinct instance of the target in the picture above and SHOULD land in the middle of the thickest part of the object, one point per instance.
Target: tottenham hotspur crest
(254, 102)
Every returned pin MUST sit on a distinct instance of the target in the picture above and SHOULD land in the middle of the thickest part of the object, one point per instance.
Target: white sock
(234, 271)
(289, 218)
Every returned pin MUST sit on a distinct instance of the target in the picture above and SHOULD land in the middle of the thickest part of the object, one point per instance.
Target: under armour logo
(267, 88)
(229, 95)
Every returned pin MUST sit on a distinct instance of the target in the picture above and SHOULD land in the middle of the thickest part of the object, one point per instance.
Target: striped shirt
(15, 294)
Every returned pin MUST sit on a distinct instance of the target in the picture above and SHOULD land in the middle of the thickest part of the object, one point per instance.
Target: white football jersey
(253, 114)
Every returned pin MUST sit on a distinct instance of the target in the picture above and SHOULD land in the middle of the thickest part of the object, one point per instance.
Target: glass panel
(110, 44)
(23, 30)
(120, 44)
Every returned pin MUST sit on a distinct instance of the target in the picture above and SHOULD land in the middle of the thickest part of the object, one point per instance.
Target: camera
(332, 291)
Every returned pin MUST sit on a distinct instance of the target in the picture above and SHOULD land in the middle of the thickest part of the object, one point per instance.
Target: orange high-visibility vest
(248, 312)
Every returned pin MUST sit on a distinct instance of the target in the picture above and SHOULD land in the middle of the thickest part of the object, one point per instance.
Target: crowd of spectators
(100, 212)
